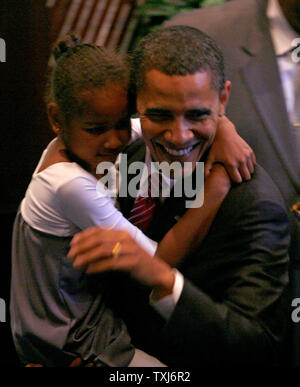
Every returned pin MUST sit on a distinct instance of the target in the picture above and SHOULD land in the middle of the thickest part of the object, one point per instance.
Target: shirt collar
(281, 32)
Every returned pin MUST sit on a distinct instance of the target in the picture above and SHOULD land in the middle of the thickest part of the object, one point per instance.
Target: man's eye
(158, 117)
(196, 116)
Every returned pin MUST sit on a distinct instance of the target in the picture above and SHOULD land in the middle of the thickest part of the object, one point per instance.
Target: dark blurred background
(29, 27)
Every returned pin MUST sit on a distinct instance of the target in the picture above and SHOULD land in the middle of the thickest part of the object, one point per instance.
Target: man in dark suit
(225, 303)
(254, 35)
(256, 38)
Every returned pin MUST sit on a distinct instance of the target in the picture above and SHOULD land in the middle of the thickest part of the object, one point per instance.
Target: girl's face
(103, 128)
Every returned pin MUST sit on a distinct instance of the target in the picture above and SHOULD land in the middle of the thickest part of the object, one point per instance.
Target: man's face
(179, 114)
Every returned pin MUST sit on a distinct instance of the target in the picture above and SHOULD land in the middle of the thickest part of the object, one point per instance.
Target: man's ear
(224, 97)
(55, 117)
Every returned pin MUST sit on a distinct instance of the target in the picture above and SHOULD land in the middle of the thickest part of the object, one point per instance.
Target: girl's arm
(238, 158)
(231, 150)
(92, 248)
(189, 232)
(228, 148)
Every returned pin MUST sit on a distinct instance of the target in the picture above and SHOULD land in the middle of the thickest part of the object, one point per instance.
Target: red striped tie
(144, 209)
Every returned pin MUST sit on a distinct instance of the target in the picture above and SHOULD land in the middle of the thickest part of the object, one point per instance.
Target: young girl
(56, 316)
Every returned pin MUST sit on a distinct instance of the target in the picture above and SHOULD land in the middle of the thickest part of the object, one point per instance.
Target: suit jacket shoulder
(260, 188)
(235, 283)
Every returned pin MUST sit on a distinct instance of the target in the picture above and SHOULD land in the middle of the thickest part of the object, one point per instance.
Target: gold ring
(116, 250)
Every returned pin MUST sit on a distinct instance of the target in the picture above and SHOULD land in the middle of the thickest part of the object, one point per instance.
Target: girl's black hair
(81, 67)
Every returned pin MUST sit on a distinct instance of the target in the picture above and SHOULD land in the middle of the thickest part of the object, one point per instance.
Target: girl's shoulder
(55, 153)
(61, 173)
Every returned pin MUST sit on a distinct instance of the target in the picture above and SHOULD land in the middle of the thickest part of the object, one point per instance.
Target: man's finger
(86, 233)
(84, 245)
(95, 253)
(99, 266)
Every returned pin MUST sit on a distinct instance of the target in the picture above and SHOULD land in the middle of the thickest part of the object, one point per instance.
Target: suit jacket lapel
(262, 78)
(167, 215)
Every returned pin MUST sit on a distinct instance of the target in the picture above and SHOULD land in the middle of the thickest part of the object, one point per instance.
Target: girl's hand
(231, 150)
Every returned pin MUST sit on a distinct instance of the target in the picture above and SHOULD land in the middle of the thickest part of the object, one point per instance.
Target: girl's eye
(96, 130)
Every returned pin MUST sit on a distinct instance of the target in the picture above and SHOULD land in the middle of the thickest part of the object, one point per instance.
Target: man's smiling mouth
(177, 152)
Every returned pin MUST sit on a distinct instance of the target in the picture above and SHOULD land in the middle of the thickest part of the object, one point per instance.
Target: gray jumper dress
(54, 315)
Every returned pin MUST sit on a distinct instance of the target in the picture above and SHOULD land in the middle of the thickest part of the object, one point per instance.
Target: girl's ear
(55, 118)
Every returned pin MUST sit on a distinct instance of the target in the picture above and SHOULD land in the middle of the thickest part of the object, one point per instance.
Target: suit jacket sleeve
(232, 308)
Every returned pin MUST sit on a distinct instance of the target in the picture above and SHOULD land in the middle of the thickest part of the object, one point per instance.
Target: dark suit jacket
(256, 106)
(232, 306)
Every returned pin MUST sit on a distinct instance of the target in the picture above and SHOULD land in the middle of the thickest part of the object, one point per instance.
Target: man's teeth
(180, 152)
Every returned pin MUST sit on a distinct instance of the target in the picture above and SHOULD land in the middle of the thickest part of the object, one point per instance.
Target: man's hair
(177, 50)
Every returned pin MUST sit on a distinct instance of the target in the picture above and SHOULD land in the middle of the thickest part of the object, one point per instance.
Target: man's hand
(92, 251)
(231, 150)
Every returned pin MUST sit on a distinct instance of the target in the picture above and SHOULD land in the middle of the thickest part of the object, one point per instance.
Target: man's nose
(180, 131)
